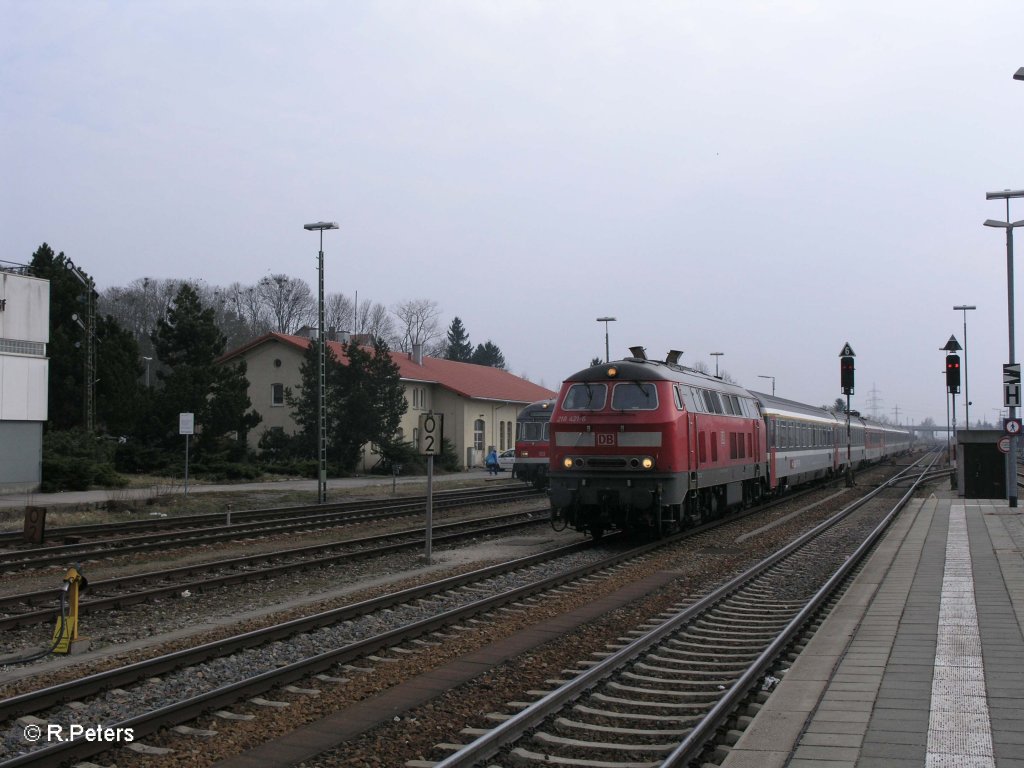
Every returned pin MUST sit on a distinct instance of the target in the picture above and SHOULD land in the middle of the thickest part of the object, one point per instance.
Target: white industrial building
(24, 371)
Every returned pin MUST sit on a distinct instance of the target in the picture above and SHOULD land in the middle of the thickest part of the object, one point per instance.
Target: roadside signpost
(186, 427)
(431, 433)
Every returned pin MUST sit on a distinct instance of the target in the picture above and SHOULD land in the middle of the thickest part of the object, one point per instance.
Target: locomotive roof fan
(638, 352)
(672, 358)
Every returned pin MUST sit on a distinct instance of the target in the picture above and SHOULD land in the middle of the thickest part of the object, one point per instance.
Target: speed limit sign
(431, 433)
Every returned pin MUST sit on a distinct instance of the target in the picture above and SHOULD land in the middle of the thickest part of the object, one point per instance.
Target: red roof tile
(480, 382)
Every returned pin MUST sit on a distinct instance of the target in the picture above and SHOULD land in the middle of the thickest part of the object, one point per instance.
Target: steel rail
(14, 560)
(248, 515)
(189, 709)
(532, 716)
(703, 731)
(313, 557)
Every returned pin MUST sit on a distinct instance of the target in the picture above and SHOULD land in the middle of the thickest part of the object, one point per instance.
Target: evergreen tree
(304, 403)
(459, 346)
(188, 343)
(365, 402)
(488, 354)
(389, 395)
(371, 399)
(120, 396)
(66, 348)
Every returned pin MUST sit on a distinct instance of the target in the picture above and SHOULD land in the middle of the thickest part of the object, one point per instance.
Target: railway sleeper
(726, 646)
(566, 725)
(550, 739)
(736, 662)
(743, 622)
(678, 683)
(525, 757)
(640, 717)
(675, 707)
(722, 684)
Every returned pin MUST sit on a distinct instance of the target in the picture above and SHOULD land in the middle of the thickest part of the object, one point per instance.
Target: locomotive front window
(531, 430)
(634, 396)
(585, 397)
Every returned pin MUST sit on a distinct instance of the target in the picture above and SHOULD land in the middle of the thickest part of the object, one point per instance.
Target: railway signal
(846, 368)
(846, 374)
(846, 356)
(953, 373)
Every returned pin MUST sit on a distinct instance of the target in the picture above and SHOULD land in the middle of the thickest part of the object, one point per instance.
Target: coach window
(277, 394)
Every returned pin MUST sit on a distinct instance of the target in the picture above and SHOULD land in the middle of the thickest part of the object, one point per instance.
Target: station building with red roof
(479, 403)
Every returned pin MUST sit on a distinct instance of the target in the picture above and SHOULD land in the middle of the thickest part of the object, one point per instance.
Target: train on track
(533, 425)
(650, 447)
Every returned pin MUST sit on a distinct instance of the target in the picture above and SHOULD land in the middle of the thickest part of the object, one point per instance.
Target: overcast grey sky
(765, 179)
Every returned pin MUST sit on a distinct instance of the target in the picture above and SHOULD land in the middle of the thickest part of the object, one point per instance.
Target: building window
(478, 434)
(277, 394)
(419, 398)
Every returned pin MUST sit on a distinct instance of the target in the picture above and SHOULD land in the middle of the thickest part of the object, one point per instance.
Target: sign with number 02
(431, 433)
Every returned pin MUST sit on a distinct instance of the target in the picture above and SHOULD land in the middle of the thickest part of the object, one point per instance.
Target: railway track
(242, 525)
(26, 609)
(453, 600)
(661, 699)
(175, 669)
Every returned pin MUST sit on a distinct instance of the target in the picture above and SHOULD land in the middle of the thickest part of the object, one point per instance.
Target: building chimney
(417, 354)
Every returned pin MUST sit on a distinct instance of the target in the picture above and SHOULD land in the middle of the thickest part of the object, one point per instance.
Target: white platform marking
(959, 729)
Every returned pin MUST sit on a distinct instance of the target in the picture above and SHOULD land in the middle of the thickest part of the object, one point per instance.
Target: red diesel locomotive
(650, 446)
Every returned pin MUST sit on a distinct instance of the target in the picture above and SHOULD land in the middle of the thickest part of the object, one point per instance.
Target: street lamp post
(762, 376)
(967, 390)
(606, 320)
(1011, 457)
(716, 355)
(321, 421)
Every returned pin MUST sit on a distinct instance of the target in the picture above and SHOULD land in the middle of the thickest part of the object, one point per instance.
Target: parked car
(506, 459)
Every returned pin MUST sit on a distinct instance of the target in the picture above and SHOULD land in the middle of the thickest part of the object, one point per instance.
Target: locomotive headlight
(647, 462)
(567, 463)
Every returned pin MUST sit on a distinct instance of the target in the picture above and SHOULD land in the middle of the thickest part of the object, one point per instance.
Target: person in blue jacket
(491, 462)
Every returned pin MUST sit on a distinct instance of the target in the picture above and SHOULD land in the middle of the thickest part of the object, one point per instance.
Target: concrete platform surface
(921, 663)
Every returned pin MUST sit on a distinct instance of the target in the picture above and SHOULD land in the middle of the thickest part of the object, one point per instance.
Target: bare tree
(244, 303)
(138, 306)
(289, 301)
(418, 323)
(339, 312)
(375, 320)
